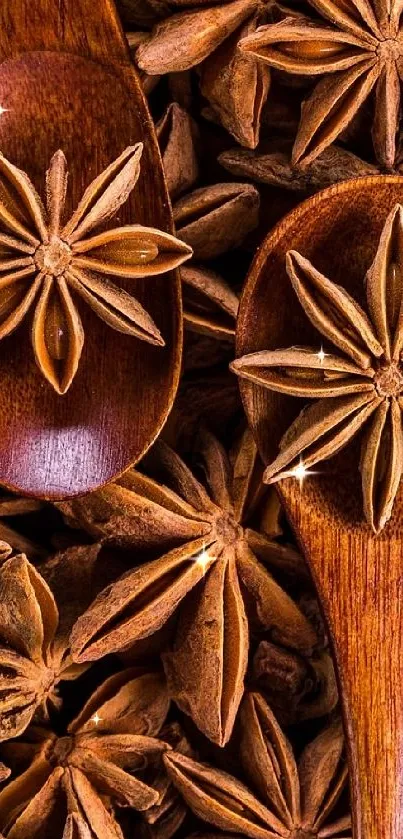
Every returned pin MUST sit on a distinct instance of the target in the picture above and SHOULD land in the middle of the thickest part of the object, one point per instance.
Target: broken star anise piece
(290, 800)
(45, 262)
(213, 580)
(274, 167)
(178, 135)
(296, 687)
(210, 306)
(206, 35)
(357, 48)
(34, 657)
(98, 765)
(236, 86)
(186, 38)
(362, 386)
(213, 220)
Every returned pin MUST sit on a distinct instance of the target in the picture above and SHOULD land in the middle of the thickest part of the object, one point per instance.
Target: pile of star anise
(163, 663)
(164, 668)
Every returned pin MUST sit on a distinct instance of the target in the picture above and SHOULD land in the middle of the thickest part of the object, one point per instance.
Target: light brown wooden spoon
(66, 82)
(359, 576)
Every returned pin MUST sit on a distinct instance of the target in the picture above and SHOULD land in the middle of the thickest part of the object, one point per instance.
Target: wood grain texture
(359, 576)
(67, 82)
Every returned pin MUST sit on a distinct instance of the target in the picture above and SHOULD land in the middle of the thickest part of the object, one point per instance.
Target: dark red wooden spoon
(66, 82)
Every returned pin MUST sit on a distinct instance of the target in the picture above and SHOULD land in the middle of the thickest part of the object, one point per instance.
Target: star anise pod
(43, 260)
(236, 87)
(210, 304)
(100, 764)
(362, 385)
(290, 799)
(187, 37)
(357, 48)
(213, 220)
(13, 506)
(296, 687)
(273, 166)
(177, 135)
(34, 656)
(214, 581)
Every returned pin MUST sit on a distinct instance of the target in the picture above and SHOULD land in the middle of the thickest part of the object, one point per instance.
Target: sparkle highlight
(203, 559)
(300, 472)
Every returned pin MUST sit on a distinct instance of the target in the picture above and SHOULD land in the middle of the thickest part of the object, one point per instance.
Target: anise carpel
(273, 165)
(361, 386)
(357, 49)
(285, 798)
(101, 763)
(46, 261)
(213, 220)
(34, 655)
(207, 36)
(213, 579)
(296, 687)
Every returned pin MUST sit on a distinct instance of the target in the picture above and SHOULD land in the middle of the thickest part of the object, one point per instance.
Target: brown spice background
(164, 667)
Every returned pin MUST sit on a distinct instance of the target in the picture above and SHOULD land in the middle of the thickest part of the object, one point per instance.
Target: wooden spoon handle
(72, 26)
(359, 580)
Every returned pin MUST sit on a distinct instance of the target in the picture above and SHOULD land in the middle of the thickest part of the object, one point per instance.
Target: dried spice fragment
(187, 38)
(290, 800)
(206, 36)
(363, 386)
(34, 654)
(214, 219)
(297, 688)
(356, 49)
(213, 580)
(148, 83)
(75, 781)
(273, 166)
(210, 305)
(177, 135)
(46, 261)
(162, 820)
(4, 772)
(236, 86)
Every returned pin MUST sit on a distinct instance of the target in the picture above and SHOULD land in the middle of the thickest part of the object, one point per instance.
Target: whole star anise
(34, 656)
(364, 384)
(214, 580)
(43, 260)
(357, 47)
(99, 764)
(292, 801)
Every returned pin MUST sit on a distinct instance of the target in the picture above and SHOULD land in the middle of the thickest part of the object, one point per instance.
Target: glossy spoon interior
(66, 82)
(359, 575)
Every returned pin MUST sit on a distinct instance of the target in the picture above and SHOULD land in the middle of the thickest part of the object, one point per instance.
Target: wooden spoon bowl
(358, 575)
(67, 82)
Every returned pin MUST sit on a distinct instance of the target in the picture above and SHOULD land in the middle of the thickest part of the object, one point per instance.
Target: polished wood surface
(359, 576)
(66, 82)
